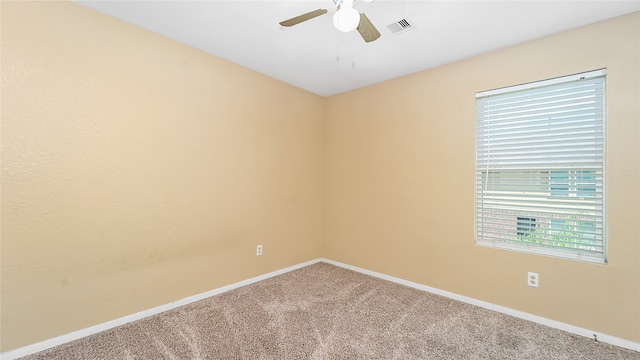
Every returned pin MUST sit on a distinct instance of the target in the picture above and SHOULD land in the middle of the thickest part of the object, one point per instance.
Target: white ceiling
(316, 57)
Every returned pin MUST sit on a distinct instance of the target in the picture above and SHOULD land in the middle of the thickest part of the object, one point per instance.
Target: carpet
(326, 312)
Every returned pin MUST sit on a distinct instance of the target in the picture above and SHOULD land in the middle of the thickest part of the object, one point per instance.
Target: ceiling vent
(403, 25)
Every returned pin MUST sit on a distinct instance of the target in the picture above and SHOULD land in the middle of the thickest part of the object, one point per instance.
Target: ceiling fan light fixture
(346, 18)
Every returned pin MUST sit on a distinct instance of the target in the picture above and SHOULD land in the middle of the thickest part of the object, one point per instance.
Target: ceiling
(316, 57)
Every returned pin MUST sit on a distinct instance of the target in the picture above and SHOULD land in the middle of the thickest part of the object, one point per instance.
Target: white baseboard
(59, 340)
(613, 340)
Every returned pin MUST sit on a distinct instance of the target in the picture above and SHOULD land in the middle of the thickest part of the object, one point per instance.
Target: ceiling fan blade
(366, 29)
(304, 17)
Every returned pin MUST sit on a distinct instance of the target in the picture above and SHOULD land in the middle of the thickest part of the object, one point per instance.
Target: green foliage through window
(568, 233)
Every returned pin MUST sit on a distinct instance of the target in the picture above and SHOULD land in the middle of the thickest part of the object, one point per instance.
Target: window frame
(576, 184)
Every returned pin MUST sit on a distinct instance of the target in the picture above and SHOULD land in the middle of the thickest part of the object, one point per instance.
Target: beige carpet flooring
(326, 312)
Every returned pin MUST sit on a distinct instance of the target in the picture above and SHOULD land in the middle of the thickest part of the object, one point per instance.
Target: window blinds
(540, 167)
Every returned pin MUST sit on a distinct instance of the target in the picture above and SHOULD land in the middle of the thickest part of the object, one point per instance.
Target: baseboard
(59, 340)
(613, 340)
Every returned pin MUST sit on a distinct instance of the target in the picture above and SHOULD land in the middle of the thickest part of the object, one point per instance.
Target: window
(540, 167)
(526, 226)
(572, 183)
(559, 183)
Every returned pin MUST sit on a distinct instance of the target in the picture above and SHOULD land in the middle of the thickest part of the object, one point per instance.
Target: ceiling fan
(345, 19)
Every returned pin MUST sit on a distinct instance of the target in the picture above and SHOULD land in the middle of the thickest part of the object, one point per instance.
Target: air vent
(402, 25)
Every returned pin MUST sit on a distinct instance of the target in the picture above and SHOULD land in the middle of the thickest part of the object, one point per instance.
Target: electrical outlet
(258, 250)
(533, 279)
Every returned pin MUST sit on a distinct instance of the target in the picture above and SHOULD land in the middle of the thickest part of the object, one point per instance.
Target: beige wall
(137, 171)
(399, 181)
